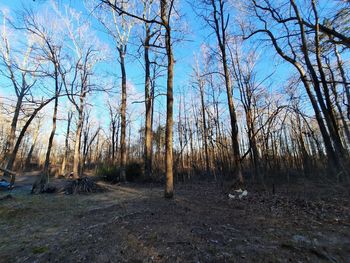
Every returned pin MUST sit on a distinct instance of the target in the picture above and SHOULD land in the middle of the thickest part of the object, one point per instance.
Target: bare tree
(217, 17)
(200, 82)
(294, 32)
(119, 30)
(48, 49)
(166, 10)
(77, 79)
(17, 70)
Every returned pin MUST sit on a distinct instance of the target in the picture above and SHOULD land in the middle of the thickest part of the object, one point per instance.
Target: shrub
(109, 173)
(133, 171)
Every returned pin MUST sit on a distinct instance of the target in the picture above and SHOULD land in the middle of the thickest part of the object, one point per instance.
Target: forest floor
(134, 223)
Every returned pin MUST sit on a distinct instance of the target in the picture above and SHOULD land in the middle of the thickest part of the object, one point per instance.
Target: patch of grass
(40, 250)
(8, 213)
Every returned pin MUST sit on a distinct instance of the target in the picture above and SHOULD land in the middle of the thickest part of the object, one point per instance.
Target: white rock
(244, 193)
(231, 196)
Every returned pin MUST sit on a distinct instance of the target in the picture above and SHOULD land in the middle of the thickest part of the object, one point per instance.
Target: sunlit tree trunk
(204, 121)
(220, 27)
(123, 155)
(169, 185)
(66, 146)
(79, 127)
(148, 105)
(53, 129)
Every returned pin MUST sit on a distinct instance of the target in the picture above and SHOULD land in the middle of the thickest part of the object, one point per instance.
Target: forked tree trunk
(12, 156)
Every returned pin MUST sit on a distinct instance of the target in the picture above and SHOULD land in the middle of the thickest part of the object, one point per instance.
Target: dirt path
(133, 223)
(23, 182)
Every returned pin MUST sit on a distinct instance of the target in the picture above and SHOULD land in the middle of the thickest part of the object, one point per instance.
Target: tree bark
(169, 185)
(148, 105)
(53, 130)
(30, 153)
(204, 120)
(220, 28)
(123, 157)
(12, 156)
(66, 148)
(76, 160)
(344, 79)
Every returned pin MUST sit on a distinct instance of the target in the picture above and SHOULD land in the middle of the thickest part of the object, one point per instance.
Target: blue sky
(184, 53)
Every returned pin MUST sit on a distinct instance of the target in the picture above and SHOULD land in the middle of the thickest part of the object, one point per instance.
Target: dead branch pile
(81, 186)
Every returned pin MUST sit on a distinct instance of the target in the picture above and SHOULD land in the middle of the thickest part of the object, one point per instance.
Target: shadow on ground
(133, 223)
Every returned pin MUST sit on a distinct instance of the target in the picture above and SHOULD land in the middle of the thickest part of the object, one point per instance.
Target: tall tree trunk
(50, 143)
(252, 143)
(85, 135)
(181, 141)
(233, 119)
(12, 156)
(330, 135)
(40, 185)
(148, 105)
(220, 30)
(334, 131)
(116, 146)
(344, 79)
(302, 149)
(113, 140)
(66, 147)
(12, 135)
(169, 185)
(30, 153)
(53, 130)
(204, 120)
(76, 161)
(121, 50)
(337, 104)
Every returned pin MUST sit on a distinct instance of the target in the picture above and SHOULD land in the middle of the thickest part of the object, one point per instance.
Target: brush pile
(82, 185)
